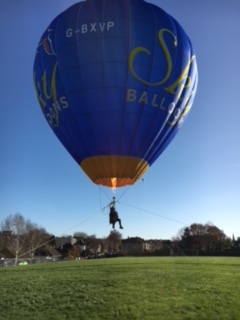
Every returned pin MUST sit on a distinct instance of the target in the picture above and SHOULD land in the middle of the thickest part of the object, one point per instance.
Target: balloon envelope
(115, 79)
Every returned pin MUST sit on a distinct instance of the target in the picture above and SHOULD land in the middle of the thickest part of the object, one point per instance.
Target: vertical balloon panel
(115, 80)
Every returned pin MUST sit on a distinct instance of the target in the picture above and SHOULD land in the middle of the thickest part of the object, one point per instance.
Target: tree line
(20, 233)
(24, 236)
(204, 238)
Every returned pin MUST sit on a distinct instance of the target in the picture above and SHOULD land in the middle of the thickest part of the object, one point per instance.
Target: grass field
(123, 288)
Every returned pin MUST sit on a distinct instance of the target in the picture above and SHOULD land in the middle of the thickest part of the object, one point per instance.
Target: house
(6, 233)
(5, 236)
(64, 245)
(10, 253)
(53, 254)
(134, 246)
(155, 245)
(159, 247)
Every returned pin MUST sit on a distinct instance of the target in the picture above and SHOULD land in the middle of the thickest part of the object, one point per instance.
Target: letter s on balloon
(139, 50)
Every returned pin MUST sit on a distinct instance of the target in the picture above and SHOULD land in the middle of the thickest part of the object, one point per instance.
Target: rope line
(102, 209)
(46, 242)
(153, 213)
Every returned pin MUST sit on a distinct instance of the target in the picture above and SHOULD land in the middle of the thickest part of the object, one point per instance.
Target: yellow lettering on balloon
(182, 78)
(42, 90)
(38, 91)
(164, 47)
(53, 92)
(44, 93)
(185, 112)
(179, 117)
(143, 98)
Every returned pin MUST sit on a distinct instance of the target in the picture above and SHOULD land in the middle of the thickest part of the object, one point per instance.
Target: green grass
(123, 288)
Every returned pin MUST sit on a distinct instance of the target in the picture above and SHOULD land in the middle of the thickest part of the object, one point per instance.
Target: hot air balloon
(115, 80)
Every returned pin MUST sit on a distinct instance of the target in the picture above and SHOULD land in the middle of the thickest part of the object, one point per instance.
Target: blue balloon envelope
(115, 80)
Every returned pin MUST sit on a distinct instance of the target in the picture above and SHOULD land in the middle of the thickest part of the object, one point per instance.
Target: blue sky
(196, 179)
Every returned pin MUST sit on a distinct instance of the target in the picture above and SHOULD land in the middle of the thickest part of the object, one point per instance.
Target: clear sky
(196, 179)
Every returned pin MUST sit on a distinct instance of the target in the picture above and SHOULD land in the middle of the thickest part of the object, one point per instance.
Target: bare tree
(17, 224)
(203, 237)
(80, 235)
(35, 238)
(114, 241)
(93, 244)
(216, 239)
(198, 233)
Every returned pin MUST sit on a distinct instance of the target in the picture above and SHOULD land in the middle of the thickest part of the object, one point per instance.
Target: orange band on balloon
(114, 171)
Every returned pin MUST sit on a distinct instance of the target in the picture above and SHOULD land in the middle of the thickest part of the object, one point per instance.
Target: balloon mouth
(114, 171)
(114, 184)
(120, 182)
